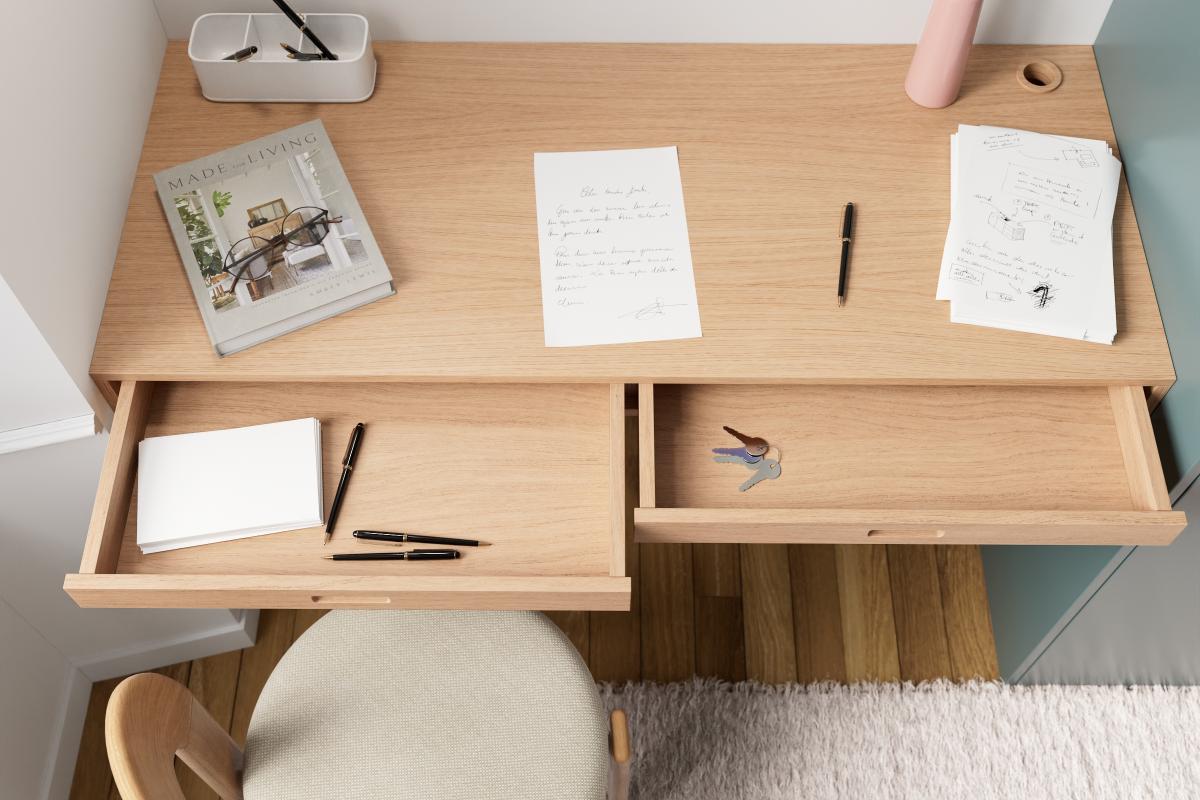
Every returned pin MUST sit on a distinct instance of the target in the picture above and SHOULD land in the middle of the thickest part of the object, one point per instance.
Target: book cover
(271, 237)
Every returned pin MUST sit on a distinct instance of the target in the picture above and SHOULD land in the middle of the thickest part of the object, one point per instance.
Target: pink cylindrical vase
(937, 69)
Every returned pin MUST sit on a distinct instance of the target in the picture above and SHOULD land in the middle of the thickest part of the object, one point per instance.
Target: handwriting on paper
(1062, 193)
(613, 242)
(976, 259)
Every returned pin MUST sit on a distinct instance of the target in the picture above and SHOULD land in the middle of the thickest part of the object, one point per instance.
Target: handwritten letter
(615, 256)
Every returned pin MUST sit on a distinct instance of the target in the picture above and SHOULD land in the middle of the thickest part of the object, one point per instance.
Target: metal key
(768, 469)
(755, 445)
(764, 469)
(740, 452)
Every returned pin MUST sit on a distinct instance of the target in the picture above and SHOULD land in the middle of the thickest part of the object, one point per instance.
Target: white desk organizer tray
(269, 76)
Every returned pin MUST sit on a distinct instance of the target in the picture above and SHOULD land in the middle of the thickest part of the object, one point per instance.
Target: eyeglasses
(251, 258)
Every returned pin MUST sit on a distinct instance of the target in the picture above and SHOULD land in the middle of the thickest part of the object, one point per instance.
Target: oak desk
(898, 425)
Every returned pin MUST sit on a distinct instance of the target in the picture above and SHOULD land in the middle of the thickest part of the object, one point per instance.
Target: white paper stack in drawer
(200, 488)
(1030, 240)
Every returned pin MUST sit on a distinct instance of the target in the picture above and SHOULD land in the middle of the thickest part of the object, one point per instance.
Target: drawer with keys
(535, 470)
(863, 464)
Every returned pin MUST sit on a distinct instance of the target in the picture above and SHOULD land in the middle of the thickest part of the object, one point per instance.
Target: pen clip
(844, 225)
(350, 445)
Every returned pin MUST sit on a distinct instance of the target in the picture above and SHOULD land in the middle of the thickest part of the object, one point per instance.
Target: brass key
(755, 445)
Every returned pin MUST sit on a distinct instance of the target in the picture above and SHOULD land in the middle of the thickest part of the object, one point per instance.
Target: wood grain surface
(773, 141)
(531, 478)
(895, 447)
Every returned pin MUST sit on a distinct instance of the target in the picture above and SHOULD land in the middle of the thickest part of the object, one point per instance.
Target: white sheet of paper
(1029, 210)
(199, 488)
(616, 261)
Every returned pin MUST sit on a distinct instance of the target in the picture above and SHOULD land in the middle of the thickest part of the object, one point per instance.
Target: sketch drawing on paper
(1085, 158)
(1008, 228)
(1042, 294)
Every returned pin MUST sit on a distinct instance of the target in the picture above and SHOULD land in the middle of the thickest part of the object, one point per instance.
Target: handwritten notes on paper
(1030, 240)
(613, 241)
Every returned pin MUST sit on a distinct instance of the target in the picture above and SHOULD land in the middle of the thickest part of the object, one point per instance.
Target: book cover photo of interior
(271, 237)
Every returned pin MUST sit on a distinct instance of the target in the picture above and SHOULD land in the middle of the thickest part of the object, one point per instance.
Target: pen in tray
(404, 555)
(300, 55)
(401, 538)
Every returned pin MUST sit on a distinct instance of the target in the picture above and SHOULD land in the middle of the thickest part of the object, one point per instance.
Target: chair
(436, 705)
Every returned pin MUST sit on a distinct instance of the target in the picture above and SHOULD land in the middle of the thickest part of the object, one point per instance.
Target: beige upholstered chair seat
(430, 705)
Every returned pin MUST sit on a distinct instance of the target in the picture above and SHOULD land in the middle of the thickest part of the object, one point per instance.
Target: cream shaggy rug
(709, 740)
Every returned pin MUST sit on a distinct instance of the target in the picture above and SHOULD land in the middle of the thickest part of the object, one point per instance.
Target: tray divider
(646, 498)
(616, 477)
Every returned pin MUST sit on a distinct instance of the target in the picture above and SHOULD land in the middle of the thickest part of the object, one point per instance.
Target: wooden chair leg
(151, 719)
(618, 773)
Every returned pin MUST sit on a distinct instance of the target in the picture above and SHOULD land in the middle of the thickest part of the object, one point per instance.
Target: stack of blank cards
(200, 488)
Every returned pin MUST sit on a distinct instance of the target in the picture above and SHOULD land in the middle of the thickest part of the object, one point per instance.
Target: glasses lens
(306, 226)
(249, 259)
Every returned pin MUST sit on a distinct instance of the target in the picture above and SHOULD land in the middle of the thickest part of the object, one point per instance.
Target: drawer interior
(528, 468)
(926, 457)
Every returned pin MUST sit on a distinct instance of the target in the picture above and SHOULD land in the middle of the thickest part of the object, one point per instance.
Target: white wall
(835, 21)
(36, 387)
(34, 678)
(71, 138)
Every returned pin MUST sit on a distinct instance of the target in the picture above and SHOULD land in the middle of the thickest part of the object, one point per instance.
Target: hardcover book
(271, 237)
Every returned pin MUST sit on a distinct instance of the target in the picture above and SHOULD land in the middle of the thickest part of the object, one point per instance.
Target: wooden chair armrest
(618, 740)
(151, 719)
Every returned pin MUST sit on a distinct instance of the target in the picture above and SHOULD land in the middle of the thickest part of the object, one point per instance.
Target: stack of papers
(200, 488)
(1030, 241)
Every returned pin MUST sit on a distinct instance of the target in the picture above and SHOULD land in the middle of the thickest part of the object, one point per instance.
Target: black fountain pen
(404, 555)
(347, 468)
(401, 538)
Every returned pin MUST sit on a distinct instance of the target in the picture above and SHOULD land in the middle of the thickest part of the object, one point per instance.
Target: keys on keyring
(764, 469)
(752, 455)
(755, 445)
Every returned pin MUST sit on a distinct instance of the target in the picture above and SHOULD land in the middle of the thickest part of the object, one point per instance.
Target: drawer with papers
(537, 471)
(876, 464)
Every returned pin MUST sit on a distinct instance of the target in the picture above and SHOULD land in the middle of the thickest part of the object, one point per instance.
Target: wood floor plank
(720, 638)
(275, 629)
(965, 607)
(817, 613)
(305, 619)
(93, 779)
(213, 682)
(917, 606)
(868, 626)
(717, 570)
(668, 613)
(767, 613)
(575, 625)
(616, 636)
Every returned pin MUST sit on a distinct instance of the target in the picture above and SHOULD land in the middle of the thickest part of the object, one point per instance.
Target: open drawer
(536, 470)
(945, 464)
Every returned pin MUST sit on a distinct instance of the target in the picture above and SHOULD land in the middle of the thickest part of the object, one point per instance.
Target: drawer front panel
(397, 592)
(843, 526)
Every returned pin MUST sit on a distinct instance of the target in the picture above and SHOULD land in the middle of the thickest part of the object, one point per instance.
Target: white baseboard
(239, 633)
(60, 764)
(61, 430)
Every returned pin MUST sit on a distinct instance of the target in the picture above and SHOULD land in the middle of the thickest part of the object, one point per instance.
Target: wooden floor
(772, 613)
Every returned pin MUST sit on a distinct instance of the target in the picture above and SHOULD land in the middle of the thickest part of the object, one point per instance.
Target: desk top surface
(773, 140)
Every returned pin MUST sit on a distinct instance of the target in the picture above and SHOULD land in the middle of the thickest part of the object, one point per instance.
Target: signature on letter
(656, 309)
